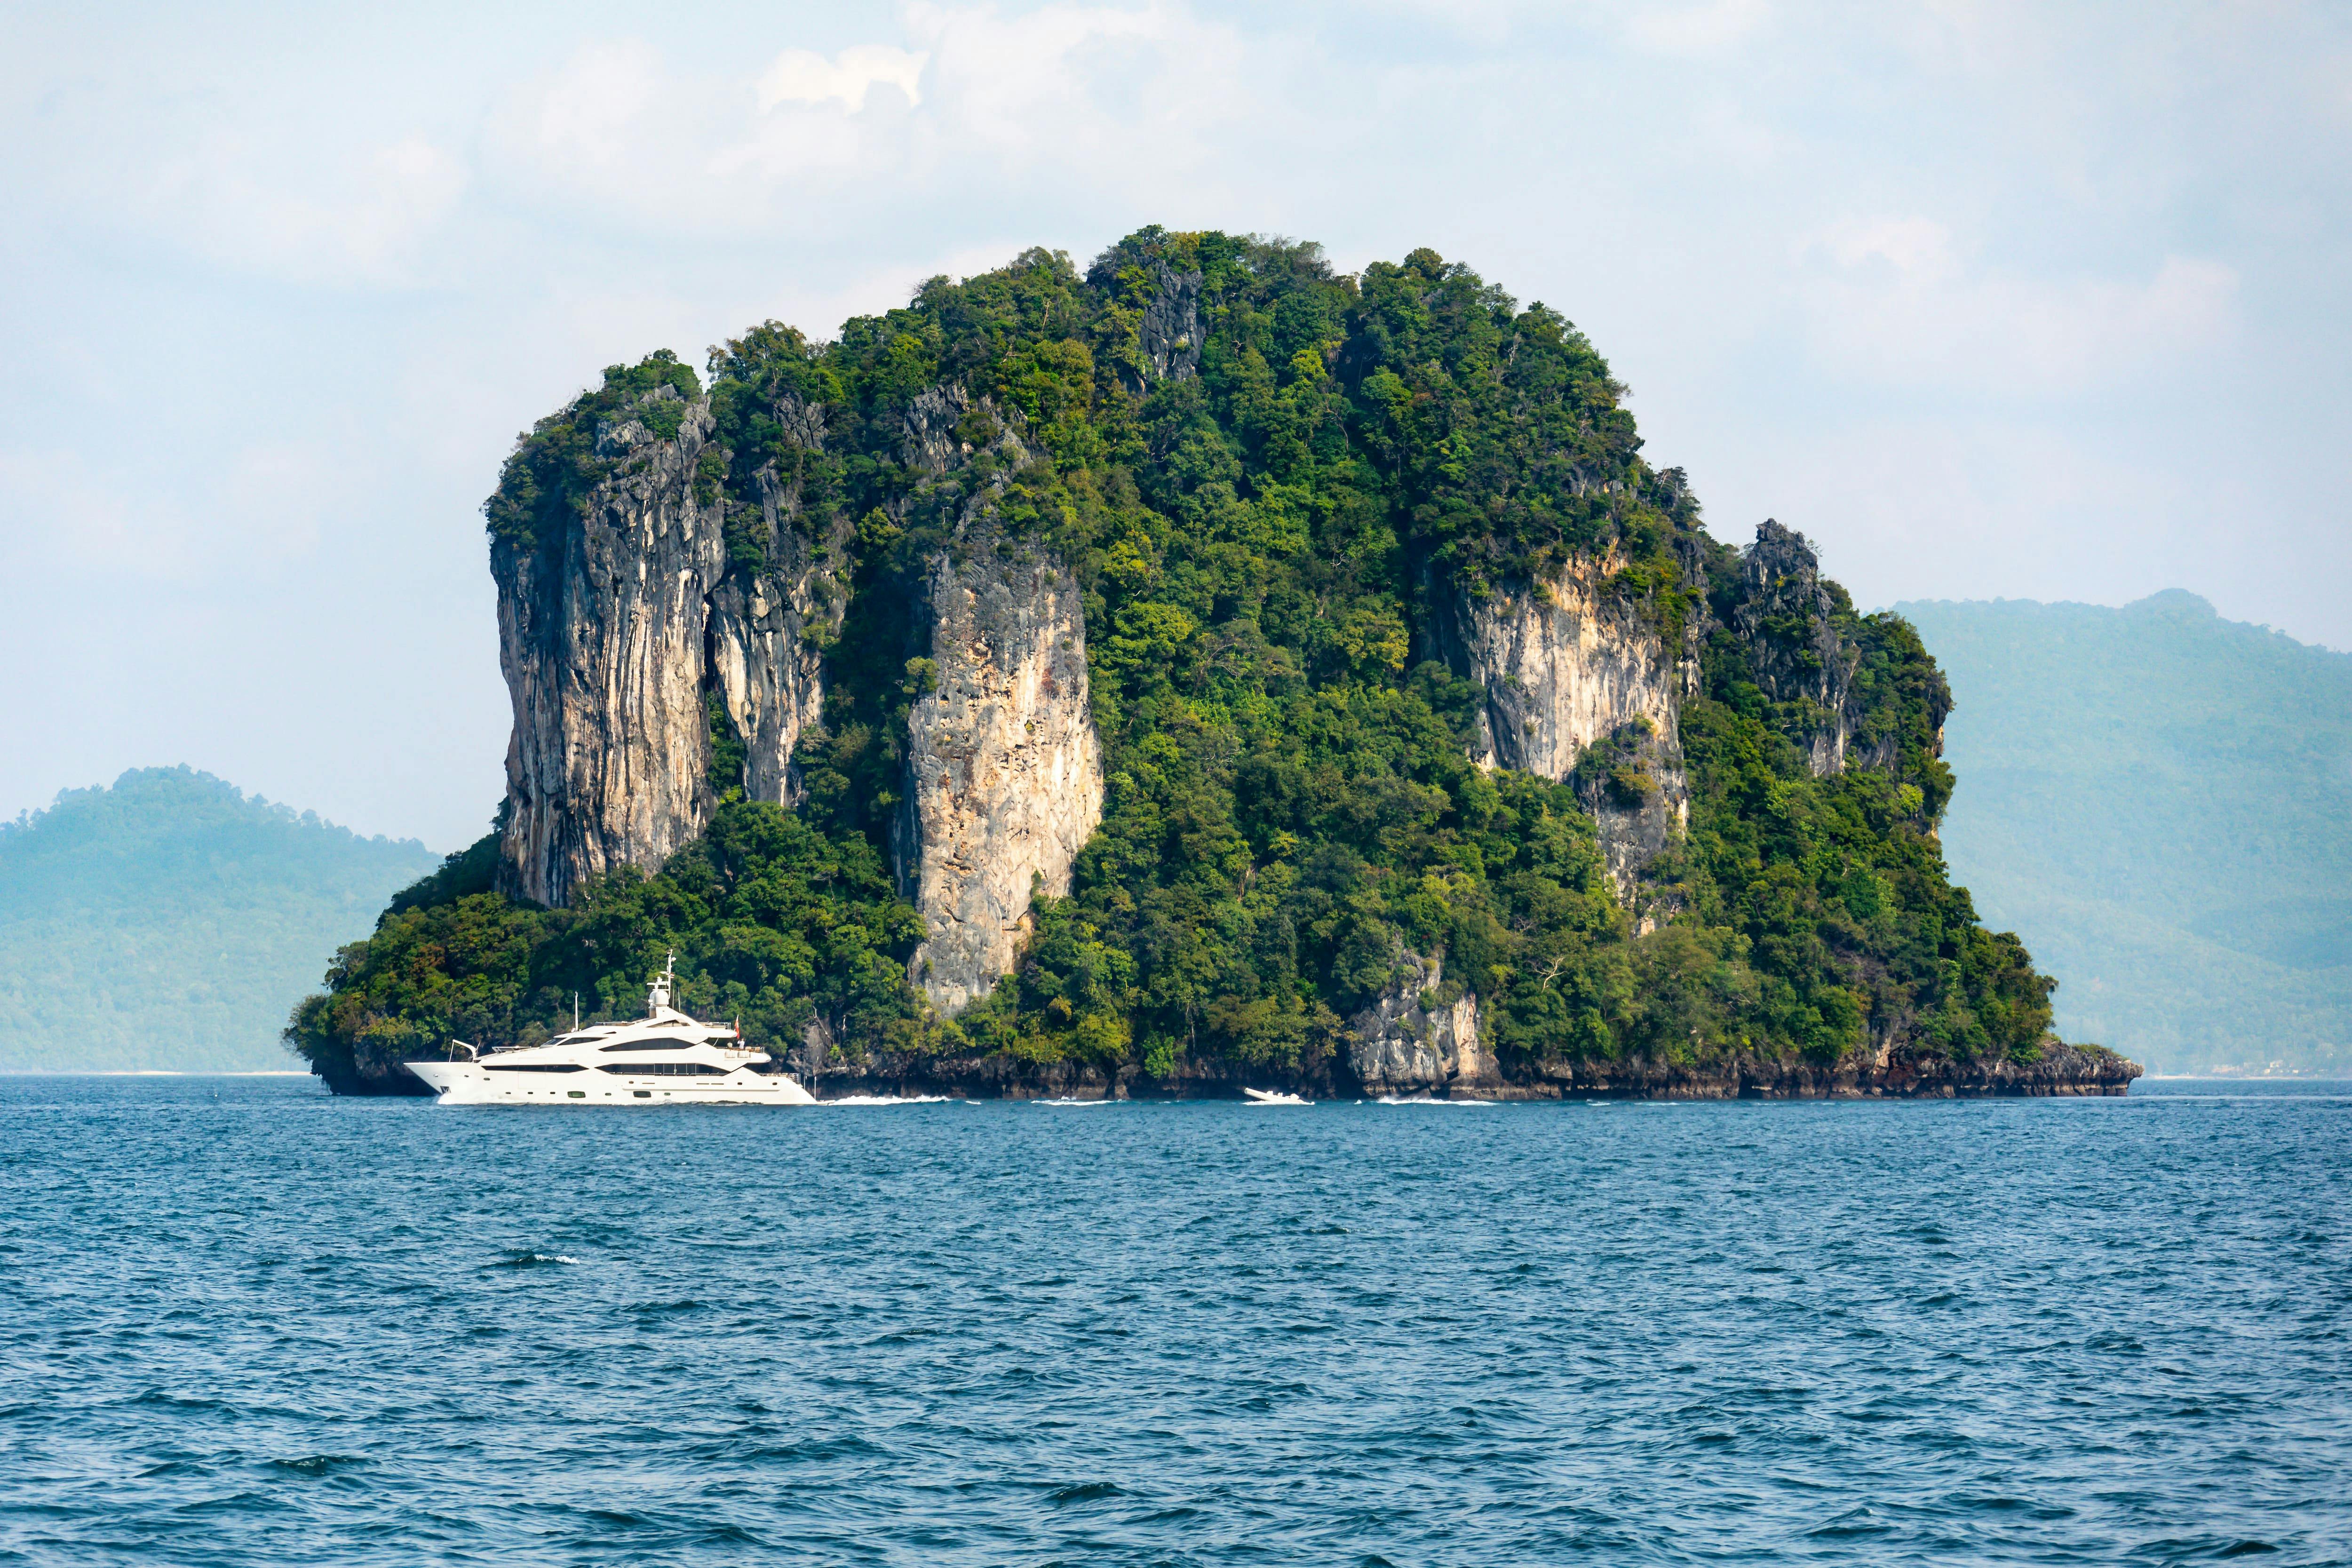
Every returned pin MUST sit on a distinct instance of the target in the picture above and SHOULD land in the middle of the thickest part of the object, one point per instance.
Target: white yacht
(662, 1059)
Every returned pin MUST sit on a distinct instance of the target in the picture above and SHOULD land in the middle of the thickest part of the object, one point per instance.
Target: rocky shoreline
(2059, 1070)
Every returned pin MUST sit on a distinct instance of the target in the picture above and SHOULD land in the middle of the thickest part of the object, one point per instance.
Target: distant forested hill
(171, 922)
(2159, 802)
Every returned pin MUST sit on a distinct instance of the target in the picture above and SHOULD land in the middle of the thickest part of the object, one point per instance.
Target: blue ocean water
(248, 1323)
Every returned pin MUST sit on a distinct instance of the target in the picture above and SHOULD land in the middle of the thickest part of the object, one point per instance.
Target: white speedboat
(1274, 1097)
(662, 1059)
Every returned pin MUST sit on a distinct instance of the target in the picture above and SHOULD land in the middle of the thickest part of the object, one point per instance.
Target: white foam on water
(1426, 1099)
(886, 1099)
(1074, 1102)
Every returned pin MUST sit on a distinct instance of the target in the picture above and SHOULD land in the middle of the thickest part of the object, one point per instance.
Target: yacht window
(663, 1069)
(678, 1044)
(531, 1066)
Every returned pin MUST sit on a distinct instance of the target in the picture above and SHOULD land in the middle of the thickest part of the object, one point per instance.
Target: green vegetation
(555, 463)
(782, 924)
(166, 922)
(1291, 809)
(2161, 801)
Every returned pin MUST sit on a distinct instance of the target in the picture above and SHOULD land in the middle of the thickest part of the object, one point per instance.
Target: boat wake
(886, 1099)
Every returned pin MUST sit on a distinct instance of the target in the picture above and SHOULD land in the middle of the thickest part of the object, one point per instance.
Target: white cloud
(1994, 297)
(594, 105)
(1899, 302)
(361, 220)
(60, 511)
(1696, 30)
(798, 76)
(1919, 249)
(1080, 81)
(1953, 509)
(984, 101)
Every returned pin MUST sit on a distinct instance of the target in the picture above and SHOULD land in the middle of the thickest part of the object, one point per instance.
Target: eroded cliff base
(1330, 1074)
(2060, 1070)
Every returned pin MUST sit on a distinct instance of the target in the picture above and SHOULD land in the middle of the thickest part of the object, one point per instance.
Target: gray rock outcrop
(1581, 685)
(614, 637)
(1170, 334)
(1005, 778)
(1404, 1044)
(1783, 616)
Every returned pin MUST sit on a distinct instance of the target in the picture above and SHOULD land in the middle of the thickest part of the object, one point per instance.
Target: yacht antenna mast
(575, 1012)
(664, 987)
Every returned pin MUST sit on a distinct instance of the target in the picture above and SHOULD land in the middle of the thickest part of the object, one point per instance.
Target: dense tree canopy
(1292, 807)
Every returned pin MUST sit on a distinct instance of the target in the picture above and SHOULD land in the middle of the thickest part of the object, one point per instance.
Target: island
(1206, 670)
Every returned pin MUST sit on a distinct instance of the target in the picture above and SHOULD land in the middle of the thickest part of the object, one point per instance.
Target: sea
(244, 1323)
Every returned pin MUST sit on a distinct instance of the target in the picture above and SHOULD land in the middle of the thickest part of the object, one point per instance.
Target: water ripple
(253, 1325)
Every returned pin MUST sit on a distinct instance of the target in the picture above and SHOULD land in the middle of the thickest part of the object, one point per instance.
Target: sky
(2026, 300)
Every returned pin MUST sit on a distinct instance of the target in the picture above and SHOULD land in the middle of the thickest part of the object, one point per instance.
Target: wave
(1076, 1102)
(886, 1099)
(1426, 1099)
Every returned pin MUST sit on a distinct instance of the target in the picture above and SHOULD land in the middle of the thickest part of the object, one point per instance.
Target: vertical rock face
(612, 641)
(1006, 772)
(1402, 1047)
(1783, 616)
(1632, 782)
(1579, 684)
(1582, 687)
(763, 650)
(1563, 665)
(1169, 332)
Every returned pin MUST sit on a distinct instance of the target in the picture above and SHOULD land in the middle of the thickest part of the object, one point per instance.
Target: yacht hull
(471, 1083)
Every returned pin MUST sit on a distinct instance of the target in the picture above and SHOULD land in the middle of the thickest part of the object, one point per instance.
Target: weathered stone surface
(1403, 1046)
(611, 642)
(1170, 334)
(927, 440)
(1567, 665)
(1006, 779)
(2059, 1070)
(766, 628)
(1783, 616)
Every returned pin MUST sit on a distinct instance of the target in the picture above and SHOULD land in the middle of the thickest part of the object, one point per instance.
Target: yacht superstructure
(662, 1059)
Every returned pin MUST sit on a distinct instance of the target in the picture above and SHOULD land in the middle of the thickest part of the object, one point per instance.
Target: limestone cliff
(1579, 684)
(1006, 779)
(1005, 776)
(1784, 615)
(1169, 335)
(767, 626)
(1412, 1041)
(616, 636)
